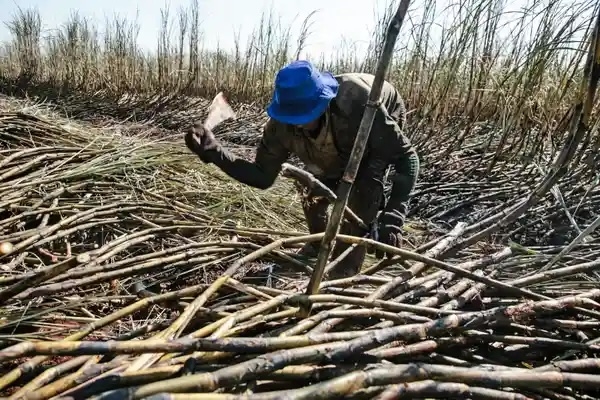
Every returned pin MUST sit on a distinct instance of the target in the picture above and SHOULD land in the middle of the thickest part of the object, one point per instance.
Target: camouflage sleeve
(270, 155)
(389, 145)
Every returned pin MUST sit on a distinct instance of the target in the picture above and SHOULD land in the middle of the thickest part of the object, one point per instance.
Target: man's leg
(315, 212)
(365, 200)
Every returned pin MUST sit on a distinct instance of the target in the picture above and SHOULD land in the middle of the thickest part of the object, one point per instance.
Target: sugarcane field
(418, 219)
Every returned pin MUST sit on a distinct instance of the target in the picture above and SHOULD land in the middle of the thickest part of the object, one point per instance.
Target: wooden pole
(358, 150)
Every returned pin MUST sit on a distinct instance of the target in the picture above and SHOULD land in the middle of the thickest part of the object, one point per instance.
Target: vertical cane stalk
(358, 150)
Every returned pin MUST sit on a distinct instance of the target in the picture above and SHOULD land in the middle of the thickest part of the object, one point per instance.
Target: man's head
(302, 94)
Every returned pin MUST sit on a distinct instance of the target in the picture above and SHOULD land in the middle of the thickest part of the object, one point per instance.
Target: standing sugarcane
(326, 121)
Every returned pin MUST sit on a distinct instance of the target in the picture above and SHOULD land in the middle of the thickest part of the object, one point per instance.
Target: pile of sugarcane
(129, 270)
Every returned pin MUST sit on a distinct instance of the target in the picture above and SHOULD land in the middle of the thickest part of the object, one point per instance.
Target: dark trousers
(366, 199)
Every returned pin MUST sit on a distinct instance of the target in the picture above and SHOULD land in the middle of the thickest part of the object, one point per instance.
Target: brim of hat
(312, 111)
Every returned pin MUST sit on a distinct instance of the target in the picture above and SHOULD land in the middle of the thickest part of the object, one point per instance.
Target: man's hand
(201, 141)
(389, 233)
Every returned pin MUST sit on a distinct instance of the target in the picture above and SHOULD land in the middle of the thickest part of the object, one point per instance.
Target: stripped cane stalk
(317, 188)
(179, 325)
(357, 150)
(582, 235)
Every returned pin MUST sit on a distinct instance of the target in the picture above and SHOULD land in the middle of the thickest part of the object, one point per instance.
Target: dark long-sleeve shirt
(327, 154)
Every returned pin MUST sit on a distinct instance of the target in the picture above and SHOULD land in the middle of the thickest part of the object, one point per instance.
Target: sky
(350, 19)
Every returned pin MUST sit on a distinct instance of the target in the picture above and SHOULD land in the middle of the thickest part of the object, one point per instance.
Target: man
(316, 116)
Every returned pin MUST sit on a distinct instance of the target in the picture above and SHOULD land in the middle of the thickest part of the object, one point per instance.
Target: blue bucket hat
(302, 93)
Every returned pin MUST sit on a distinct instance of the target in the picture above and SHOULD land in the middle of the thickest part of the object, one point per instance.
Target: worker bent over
(315, 116)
